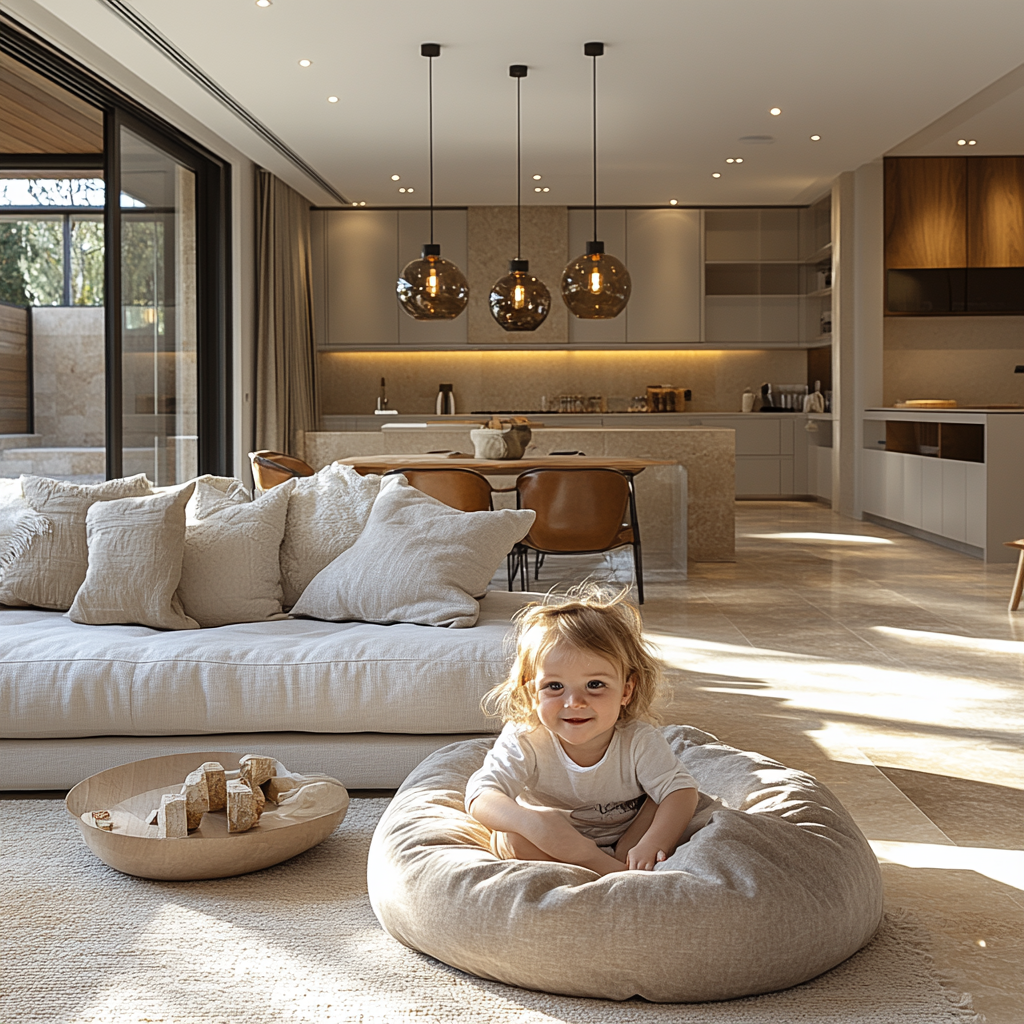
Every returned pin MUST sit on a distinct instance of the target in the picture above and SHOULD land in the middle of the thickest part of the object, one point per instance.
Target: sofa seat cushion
(61, 679)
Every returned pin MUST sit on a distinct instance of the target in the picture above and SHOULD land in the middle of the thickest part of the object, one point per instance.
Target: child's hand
(643, 858)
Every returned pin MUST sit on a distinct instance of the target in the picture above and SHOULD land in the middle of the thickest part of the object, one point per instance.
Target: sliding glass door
(159, 316)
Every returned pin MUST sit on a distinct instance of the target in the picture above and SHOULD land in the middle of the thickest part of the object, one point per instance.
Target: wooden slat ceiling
(37, 116)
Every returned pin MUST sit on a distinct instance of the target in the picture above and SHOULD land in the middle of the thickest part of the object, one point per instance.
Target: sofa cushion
(326, 514)
(417, 560)
(231, 570)
(19, 524)
(135, 551)
(50, 571)
(61, 679)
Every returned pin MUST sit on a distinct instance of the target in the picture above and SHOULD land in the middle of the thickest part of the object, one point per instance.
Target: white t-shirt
(530, 766)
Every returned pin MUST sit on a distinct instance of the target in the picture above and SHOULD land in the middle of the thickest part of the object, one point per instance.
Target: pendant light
(519, 301)
(595, 286)
(432, 288)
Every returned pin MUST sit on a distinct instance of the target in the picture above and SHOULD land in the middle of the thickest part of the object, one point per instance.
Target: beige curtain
(287, 401)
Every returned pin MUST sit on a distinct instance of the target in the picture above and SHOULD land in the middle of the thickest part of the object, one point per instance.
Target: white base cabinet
(978, 504)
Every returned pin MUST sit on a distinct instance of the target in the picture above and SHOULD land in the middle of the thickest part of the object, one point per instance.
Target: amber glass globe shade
(432, 288)
(595, 286)
(519, 301)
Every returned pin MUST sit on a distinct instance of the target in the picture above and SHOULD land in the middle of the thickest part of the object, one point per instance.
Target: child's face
(578, 697)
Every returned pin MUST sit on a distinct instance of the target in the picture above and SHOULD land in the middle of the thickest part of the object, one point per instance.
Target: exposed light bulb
(775, 111)
(596, 281)
(432, 283)
(518, 296)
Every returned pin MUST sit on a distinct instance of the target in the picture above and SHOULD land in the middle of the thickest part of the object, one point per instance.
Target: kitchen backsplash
(349, 381)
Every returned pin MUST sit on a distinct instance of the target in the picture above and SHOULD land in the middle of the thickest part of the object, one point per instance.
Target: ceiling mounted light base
(432, 288)
(519, 301)
(596, 286)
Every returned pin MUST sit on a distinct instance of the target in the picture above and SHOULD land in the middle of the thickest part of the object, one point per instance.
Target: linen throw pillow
(231, 569)
(326, 513)
(417, 560)
(49, 571)
(135, 551)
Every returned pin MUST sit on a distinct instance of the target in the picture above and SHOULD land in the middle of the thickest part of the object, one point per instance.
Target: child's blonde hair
(587, 618)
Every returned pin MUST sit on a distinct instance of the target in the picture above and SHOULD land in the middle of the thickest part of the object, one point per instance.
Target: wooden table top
(503, 467)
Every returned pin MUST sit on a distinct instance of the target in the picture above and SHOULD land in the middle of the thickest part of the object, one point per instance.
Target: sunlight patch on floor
(832, 538)
(1006, 866)
(969, 643)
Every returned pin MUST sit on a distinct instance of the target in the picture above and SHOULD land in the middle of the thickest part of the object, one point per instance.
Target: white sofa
(364, 703)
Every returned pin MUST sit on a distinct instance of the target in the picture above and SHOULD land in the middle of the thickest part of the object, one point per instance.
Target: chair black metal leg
(638, 568)
(511, 561)
(524, 568)
(537, 563)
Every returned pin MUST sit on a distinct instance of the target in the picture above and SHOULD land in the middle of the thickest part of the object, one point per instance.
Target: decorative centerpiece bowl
(497, 442)
(130, 792)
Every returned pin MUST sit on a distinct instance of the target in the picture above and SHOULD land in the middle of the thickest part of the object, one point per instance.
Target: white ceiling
(681, 81)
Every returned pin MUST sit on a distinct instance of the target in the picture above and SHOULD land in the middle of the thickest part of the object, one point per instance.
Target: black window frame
(213, 234)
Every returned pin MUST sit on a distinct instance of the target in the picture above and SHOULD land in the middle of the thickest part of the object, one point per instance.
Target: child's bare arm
(667, 828)
(548, 830)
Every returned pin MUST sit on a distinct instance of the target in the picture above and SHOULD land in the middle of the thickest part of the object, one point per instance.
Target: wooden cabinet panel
(995, 211)
(925, 212)
(663, 256)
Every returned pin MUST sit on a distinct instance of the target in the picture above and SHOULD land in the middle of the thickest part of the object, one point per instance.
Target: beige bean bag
(777, 888)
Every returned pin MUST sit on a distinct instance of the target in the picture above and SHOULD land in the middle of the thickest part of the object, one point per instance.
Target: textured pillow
(50, 570)
(135, 552)
(231, 570)
(19, 524)
(417, 560)
(215, 493)
(778, 887)
(326, 513)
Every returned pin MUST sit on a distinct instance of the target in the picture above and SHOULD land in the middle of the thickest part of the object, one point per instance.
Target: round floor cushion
(779, 886)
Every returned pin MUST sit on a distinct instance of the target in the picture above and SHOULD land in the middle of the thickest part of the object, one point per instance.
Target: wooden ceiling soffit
(38, 116)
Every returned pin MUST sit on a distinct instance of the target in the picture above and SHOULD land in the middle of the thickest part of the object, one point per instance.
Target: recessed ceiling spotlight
(304, 63)
(332, 99)
(546, 190)
(729, 160)
(716, 175)
(401, 190)
(536, 177)
(815, 138)
(673, 202)
(756, 140)
(362, 204)
(537, 189)
(410, 190)
(355, 204)
(961, 142)
(775, 111)
(739, 159)
(262, 3)
(396, 177)
(972, 142)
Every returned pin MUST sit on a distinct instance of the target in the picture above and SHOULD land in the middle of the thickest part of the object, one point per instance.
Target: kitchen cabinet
(663, 256)
(954, 235)
(965, 491)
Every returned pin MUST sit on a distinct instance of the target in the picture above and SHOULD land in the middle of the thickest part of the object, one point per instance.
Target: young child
(576, 774)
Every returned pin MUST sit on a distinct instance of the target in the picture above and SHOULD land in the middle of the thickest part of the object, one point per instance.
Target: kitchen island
(699, 502)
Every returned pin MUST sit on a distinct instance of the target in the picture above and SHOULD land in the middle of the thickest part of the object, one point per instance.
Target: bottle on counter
(445, 404)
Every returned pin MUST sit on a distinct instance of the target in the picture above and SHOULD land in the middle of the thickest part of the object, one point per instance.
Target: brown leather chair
(579, 511)
(464, 489)
(272, 468)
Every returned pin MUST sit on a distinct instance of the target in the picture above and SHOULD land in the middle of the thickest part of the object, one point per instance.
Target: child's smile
(578, 698)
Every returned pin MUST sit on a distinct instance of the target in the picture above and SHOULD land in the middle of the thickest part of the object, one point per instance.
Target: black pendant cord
(430, 102)
(594, 95)
(519, 170)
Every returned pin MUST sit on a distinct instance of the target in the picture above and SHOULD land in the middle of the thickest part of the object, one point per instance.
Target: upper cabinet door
(663, 257)
(925, 212)
(995, 211)
(361, 248)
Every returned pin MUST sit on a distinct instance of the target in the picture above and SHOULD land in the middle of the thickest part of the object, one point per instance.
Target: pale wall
(70, 387)
(349, 381)
(968, 358)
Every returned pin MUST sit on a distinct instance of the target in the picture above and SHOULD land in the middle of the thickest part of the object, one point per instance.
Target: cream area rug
(299, 943)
